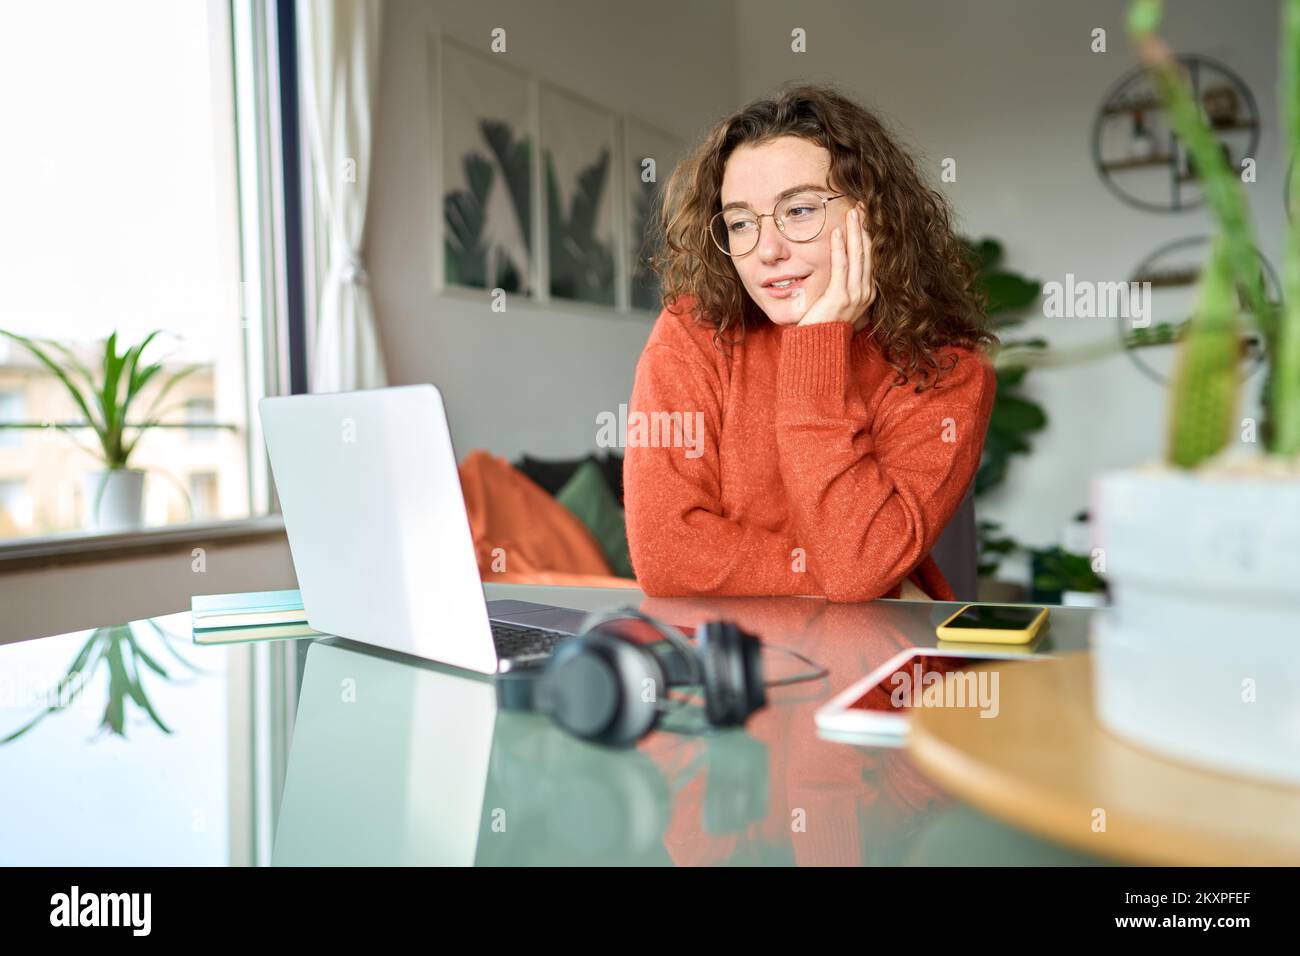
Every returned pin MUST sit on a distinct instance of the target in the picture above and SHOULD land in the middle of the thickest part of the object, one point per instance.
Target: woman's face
(758, 176)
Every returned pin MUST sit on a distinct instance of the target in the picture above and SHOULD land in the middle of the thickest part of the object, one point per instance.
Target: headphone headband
(595, 619)
(595, 683)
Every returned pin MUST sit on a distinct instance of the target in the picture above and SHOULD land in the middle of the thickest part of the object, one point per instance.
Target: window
(120, 211)
(201, 411)
(13, 407)
(15, 505)
(203, 495)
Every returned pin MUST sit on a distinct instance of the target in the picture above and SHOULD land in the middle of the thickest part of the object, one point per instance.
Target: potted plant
(114, 495)
(1199, 656)
(1065, 577)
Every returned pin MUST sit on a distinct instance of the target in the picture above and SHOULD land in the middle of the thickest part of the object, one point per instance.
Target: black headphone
(605, 686)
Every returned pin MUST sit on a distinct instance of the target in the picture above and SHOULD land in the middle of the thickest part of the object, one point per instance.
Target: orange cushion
(519, 530)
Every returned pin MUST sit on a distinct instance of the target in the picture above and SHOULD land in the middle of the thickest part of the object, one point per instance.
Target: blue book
(250, 609)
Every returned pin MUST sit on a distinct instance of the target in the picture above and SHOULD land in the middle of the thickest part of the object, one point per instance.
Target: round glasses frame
(780, 223)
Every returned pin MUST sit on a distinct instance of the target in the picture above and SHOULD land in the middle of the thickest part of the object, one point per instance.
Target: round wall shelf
(1134, 147)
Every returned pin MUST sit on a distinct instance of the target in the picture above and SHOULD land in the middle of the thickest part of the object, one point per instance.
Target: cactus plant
(1205, 385)
(1286, 363)
(1205, 393)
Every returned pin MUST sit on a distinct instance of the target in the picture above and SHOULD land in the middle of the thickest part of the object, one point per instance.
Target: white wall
(532, 379)
(1009, 88)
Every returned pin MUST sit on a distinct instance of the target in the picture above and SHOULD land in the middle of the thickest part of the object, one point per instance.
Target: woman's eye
(799, 211)
(741, 225)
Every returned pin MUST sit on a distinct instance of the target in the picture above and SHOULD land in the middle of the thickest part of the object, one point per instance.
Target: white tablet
(874, 710)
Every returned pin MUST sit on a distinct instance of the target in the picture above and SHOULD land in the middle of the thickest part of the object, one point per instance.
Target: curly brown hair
(927, 297)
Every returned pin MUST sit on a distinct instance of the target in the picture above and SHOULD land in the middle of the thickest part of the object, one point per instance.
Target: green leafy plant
(993, 546)
(1205, 390)
(1057, 570)
(1015, 417)
(108, 398)
(1053, 569)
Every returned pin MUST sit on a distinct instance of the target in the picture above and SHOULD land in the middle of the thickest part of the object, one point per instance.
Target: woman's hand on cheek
(851, 289)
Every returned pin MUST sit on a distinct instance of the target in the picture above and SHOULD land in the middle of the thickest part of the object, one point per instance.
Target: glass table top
(133, 766)
(177, 754)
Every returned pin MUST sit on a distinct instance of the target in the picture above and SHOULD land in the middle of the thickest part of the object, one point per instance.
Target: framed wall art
(487, 201)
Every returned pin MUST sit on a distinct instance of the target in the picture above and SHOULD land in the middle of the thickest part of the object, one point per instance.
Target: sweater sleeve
(681, 542)
(871, 493)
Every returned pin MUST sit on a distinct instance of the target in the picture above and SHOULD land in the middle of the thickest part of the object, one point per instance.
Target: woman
(821, 324)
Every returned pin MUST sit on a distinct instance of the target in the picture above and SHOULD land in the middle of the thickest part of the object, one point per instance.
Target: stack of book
(253, 616)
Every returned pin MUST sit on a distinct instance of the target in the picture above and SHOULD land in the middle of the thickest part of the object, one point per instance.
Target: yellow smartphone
(993, 624)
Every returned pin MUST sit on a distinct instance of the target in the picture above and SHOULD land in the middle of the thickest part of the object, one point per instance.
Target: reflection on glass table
(402, 762)
(122, 656)
(115, 749)
(171, 754)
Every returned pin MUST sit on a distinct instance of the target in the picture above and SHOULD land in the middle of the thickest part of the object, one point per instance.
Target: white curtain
(339, 47)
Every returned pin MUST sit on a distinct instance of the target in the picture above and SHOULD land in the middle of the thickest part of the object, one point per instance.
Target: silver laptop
(380, 539)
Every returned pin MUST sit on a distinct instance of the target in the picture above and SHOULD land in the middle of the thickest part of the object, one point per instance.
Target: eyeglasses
(800, 218)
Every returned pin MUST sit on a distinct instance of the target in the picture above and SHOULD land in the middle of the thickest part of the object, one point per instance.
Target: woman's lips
(787, 291)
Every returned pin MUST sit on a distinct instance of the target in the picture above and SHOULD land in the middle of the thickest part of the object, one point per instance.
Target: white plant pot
(1083, 598)
(121, 503)
(1199, 656)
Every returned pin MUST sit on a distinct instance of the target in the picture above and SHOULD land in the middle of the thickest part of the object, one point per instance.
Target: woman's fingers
(829, 306)
(849, 290)
(868, 286)
(836, 288)
(868, 283)
(853, 279)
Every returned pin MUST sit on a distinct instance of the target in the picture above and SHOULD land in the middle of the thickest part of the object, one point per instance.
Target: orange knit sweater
(812, 473)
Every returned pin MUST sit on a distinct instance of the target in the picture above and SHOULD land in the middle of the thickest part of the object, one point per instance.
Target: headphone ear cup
(599, 683)
(751, 649)
(733, 677)
(582, 692)
(708, 638)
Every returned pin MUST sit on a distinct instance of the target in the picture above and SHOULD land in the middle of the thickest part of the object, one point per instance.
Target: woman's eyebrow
(784, 193)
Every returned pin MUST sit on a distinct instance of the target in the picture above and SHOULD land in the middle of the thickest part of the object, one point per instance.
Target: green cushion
(587, 495)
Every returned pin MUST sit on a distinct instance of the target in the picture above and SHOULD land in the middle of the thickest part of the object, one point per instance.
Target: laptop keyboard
(516, 641)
